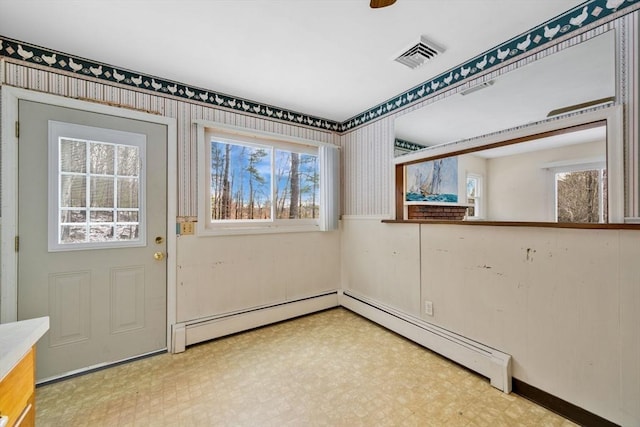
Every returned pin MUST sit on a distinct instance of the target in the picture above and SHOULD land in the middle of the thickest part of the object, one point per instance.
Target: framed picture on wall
(433, 181)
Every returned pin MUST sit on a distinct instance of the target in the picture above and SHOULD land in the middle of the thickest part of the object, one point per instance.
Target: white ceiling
(585, 136)
(328, 58)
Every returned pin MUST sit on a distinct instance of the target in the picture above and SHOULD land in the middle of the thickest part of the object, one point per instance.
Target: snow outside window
(96, 187)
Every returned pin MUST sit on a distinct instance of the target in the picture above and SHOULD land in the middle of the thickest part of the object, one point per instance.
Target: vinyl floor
(332, 368)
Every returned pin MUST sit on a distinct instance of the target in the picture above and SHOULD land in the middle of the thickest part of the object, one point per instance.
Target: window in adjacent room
(474, 196)
(581, 194)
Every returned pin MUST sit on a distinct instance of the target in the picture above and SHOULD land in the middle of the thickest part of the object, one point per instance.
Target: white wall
(552, 298)
(225, 274)
(382, 261)
(518, 188)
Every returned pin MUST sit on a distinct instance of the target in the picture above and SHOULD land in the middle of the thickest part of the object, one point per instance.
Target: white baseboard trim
(484, 360)
(185, 334)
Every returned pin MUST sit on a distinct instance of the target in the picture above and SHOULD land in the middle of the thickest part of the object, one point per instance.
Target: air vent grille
(419, 53)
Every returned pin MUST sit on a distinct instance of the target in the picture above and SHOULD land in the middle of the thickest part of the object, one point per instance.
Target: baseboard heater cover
(482, 359)
(187, 333)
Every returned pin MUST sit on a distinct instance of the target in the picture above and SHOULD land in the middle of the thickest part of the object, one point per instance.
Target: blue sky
(240, 156)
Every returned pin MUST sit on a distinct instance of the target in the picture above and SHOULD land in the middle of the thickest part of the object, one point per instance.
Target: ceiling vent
(419, 53)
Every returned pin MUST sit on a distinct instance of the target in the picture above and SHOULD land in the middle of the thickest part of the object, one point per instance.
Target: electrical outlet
(187, 228)
(428, 308)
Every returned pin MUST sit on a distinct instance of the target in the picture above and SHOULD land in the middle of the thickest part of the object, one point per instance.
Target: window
(96, 187)
(580, 194)
(474, 195)
(256, 183)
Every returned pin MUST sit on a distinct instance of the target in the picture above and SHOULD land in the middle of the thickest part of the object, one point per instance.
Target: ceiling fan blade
(375, 4)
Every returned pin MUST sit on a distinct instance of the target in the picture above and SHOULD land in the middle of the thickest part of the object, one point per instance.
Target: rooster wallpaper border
(580, 18)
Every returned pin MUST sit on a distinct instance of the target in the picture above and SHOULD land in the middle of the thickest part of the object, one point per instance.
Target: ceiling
(328, 58)
(584, 136)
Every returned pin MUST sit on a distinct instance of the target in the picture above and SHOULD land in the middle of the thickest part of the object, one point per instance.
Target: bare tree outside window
(240, 182)
(298, 190)
(578, 196)
(250, 182)
(99, 198)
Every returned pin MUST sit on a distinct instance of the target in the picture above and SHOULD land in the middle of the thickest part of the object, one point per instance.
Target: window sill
(243, 231)
(587, 226)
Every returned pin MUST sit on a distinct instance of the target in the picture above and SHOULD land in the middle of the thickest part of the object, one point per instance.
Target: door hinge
(17, 243)
(17, 129)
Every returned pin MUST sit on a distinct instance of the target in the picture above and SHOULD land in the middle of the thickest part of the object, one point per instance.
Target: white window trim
(479, 199)
(93, 134)
(329, 188)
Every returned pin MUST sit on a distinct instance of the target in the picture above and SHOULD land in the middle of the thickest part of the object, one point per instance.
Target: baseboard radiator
(477, 357)
(188, 333)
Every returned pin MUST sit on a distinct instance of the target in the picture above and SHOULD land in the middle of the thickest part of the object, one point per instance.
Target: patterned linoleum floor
(332, 368)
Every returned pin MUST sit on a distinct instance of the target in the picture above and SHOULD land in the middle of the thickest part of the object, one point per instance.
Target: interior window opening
(554, 174)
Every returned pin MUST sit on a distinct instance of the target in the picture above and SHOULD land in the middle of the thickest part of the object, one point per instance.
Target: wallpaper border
(403, 144)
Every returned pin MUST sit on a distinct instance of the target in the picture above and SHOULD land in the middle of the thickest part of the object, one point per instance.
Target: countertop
(16, 338)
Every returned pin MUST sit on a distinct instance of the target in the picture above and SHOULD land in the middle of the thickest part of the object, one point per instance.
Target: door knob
(159, 256)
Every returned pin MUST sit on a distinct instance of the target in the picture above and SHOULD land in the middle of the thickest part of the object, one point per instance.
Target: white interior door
(92, 235)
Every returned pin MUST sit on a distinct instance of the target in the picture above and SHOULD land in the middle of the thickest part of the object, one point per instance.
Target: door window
(96, 187)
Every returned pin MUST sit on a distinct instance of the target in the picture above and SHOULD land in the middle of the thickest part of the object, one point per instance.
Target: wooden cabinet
(17, 369)
(17, 393)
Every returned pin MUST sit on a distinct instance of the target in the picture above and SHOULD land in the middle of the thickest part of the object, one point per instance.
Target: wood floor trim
(568, 410)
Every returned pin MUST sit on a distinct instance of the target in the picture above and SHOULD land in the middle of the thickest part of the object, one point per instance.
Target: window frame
(89, 134)
(250, 137)
(478, 200)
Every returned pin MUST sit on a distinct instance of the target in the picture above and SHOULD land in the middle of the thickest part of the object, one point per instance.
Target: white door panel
(106, 303)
